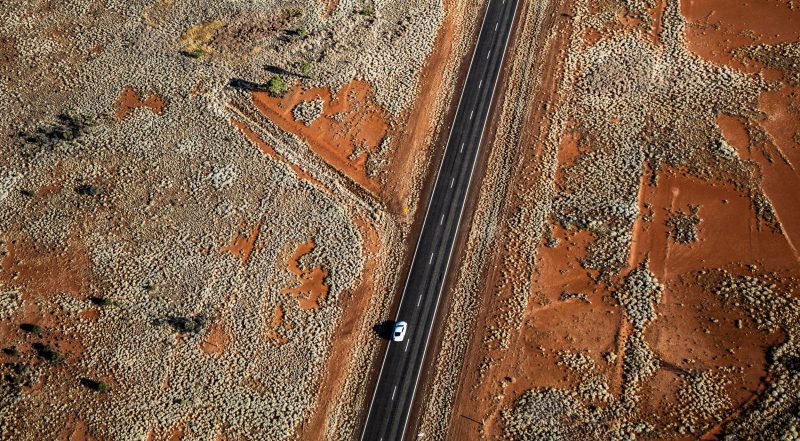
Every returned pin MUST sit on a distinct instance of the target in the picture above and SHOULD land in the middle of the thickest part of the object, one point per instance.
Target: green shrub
(369, 11)
(69, 127)
(306, 67)
(277, 86)
(301, 32)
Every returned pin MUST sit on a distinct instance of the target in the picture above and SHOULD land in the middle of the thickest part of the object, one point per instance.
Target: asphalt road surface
(397, 382)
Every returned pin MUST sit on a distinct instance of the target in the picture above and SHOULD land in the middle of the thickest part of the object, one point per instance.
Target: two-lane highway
(400, 372)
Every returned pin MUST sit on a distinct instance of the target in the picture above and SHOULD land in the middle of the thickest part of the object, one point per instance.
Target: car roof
(401, 323)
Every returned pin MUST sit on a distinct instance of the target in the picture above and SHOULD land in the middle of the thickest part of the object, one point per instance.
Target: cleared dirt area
(205, 209)
(632, 268)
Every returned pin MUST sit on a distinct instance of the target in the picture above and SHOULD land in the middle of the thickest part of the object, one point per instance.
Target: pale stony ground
(152, 199)
(621, 87)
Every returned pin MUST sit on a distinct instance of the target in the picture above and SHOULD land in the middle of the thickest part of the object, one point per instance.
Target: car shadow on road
(384, 329)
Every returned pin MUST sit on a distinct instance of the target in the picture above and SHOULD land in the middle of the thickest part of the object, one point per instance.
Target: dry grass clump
(308, 111)
(683, 225)
(639, 296)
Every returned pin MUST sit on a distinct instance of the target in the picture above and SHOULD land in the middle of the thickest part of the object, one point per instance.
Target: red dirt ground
(216, 339)
(42, 273)
(129, 100)
(362, 124)
(695, 330)
(241, 245)
(312, 286)
(717, 26)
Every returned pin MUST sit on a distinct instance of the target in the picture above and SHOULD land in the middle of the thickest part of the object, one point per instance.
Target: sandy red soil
(241, 244)
(216, 338)
(360, 123)
(129, 100)
(694, 331)
(312, 287)
(46, 272)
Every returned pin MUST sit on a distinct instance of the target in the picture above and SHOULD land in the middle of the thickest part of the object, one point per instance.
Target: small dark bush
(792, 364)
(99, 301)
(186, 324)
(97, 386)
(68, 128)
(46, 352)
(31, 328)
(12, 351)
(194, 53)
(13, 380)
(87, 190)
(16, 368)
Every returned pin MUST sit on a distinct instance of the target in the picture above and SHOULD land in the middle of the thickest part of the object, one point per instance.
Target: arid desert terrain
(632, 268)
(207, 207)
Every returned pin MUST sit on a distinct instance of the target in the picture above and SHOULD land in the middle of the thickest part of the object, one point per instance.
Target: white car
(399, 331)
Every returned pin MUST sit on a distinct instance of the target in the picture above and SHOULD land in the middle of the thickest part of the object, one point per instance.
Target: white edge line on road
(461, 212)
(424, 220)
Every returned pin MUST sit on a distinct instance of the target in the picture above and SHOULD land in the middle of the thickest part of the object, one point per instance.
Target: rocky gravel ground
(631, 105)
(146, 253)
